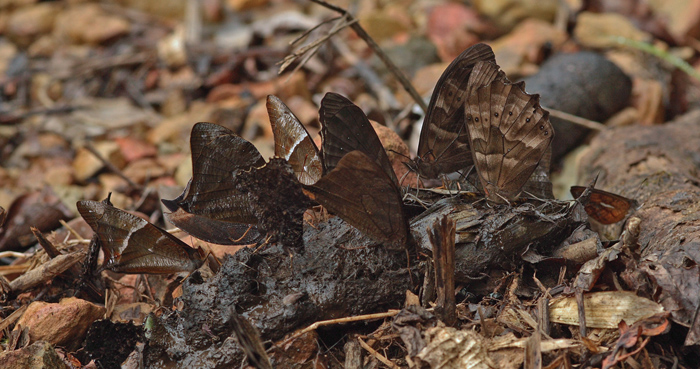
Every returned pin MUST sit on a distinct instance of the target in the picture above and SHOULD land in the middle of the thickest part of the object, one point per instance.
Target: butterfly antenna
(244, 234)
(399, 154)
(533, 196)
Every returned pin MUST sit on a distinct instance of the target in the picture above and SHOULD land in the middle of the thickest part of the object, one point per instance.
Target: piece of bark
(46, 271)
(353, 354)
(442, 237)
(657, 166)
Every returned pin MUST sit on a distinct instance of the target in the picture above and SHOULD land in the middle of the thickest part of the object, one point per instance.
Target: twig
(380, 53)
(72, 230)
(349, 319)
(111, 167)
(590, 124)
(310, 50)
(13, 254)
(377, 355)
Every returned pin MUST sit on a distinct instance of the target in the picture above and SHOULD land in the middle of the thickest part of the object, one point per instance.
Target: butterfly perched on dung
(476, 116)
(444, 141)
(133, 245)
(359, 184)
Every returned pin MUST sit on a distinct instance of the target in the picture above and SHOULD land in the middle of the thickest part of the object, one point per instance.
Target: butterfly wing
(293, 143)
(605, 207)
(345, 128)
(509, 133)
(211, 197)
(362, 194)
(133, 245)
(444, 143)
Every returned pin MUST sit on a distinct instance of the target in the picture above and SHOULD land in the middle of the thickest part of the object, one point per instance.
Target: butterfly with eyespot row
(509, 132)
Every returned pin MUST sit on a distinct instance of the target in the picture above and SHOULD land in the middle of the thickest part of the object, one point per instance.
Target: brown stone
(88, 23)
(62, 324)
(28, 23)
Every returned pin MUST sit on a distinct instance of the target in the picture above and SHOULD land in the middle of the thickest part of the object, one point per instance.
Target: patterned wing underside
(216, 153)
(509, 133)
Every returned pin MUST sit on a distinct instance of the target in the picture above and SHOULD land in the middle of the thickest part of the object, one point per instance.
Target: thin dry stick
(590, 124)
(380, 53)
(377, 355)
(310, 50)
(111, 166)
(13, 254)
(349, 319)
(71, 230)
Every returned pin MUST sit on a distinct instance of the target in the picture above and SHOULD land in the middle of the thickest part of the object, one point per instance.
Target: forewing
(293, 143)
(216, 153)
(346, 128)
(361, 193)
(444, 143)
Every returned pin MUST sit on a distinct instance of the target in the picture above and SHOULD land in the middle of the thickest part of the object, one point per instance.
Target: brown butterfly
(346, 128)
(605, 207)
(509, 133)
(133, 245)
(293, 143)
(444, 141)
(211, 208)
(361, 192)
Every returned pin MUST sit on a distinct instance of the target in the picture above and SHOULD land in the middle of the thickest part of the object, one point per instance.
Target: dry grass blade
(309, 50)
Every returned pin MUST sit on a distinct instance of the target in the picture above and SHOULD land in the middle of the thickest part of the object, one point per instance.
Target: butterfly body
(360, 185)
(211, 208)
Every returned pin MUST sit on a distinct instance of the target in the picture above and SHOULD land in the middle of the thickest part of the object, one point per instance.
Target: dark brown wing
(345, 128)
(509, 133)
(133, 245)
(293, 143)
(444, 143)
(605, 207)
(216, 153)
(361, 193)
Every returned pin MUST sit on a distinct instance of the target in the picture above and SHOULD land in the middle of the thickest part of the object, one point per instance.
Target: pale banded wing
(444, 143)
(509, 133)
(293, 143)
